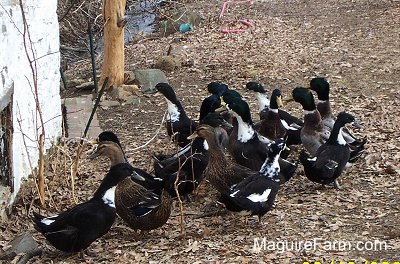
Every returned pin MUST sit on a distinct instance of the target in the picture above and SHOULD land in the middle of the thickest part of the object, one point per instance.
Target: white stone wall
(16, 78)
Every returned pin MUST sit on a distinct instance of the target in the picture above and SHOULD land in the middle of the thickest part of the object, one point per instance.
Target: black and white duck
(255, 195)
(236, 183)
(142, 177)
(139, 207)
(76, 228)
(188, 163)
(249, 148)
(330, 160)
(321, 86)
(179, 125)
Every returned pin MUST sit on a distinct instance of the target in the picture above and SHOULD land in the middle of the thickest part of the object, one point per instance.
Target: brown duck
(140, 208)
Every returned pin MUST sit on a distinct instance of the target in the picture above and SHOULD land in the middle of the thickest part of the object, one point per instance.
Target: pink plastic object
(225, 7)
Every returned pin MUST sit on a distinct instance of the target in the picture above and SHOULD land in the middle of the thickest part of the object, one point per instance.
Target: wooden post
(113, 64)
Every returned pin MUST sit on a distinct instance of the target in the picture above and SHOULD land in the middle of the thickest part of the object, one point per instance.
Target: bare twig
(155, 135)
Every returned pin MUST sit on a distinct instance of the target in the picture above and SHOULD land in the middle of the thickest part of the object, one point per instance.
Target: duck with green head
(249, 148)
(330, 160)
(321, 86)
(313, 134)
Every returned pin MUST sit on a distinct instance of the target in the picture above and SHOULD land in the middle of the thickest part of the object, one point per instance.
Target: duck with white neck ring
(249, 148)
(76, 228)
(330, 160)
(179, 125)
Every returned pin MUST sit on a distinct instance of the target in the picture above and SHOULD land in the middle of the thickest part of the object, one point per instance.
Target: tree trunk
(113, 64)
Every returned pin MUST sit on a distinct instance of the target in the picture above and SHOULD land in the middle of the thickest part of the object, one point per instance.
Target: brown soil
(355, 44)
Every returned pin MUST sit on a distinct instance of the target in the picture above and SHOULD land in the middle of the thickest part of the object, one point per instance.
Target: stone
(171, 26)
(119, 93)
(22, 244)
(109, 103)
(168, 63)
(75, 82)
(148, 78)
(132, 88)
(129, 77)
(86, 86)
(132, 100)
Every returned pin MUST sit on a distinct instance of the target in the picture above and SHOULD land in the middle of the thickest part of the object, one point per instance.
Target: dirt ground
(355, 44)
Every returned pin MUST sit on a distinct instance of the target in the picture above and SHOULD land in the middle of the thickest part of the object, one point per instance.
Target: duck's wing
(147, 203)
(253, 193)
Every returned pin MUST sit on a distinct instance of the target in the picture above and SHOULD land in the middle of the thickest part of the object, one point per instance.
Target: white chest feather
(245, 131)
(263, 101)
(49, 220)
(205, 145)
(259, 198)
(173, 112)
(340, 139)
(109, 197)
(271, 170)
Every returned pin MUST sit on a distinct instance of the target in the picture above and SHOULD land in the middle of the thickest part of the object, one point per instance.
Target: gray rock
(132, 100)
(22, 244)
(109, 103)
(86, 86)
(148, 78)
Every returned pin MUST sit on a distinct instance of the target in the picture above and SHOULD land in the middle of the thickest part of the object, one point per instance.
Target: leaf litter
(350, 43)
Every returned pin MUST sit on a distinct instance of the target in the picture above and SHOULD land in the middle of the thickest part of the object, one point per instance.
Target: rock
(124, 91)
(118, 93)
(109, 103)
(132, 88)
(75, 82)
(148, 78)
(168, 63)
(181, 17)
(22, 244)
(129, 77)
(86, 86)
(132, 100)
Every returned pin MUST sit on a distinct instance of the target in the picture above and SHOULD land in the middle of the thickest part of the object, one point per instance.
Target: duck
(190, 162)
(221, 172)
(212, 102)
(142, 177)
(321, 86)
(236, 183)
(273, 118)
(313, 133)
(271, 126)
(247, 147)
(256, 194)
(179, 125)
(141, 208)
(264, 105)
(75, 229)
(330, 160)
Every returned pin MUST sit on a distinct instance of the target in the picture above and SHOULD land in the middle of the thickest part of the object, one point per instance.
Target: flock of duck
(245, 162)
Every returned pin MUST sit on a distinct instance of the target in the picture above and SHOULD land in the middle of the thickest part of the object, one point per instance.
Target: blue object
(186, 27)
